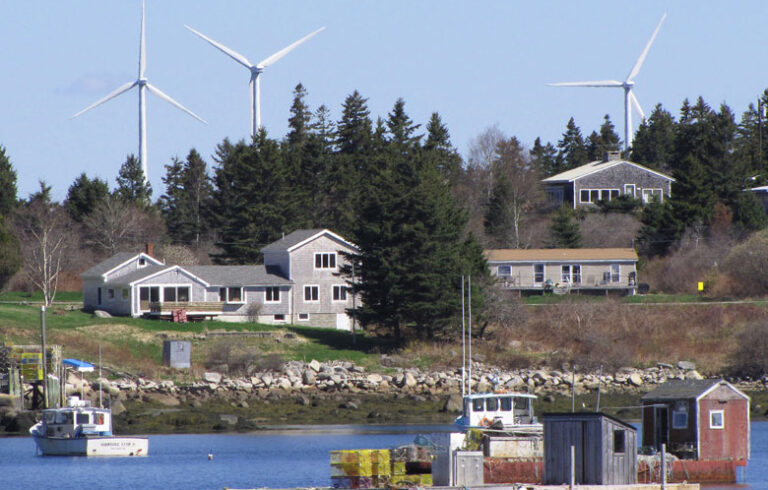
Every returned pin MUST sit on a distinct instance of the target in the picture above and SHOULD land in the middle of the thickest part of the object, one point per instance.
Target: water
(273, 459)
(295, 458)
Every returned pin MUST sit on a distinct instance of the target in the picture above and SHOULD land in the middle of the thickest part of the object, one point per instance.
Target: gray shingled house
(299, 282)
(604, 180)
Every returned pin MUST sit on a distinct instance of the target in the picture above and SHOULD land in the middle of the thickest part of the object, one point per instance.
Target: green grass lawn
(37, 297)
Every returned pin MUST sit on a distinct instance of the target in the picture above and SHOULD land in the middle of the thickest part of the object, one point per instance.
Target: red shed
(698, 419)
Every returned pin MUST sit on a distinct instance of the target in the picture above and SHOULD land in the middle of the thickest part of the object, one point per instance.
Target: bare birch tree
(45, 232)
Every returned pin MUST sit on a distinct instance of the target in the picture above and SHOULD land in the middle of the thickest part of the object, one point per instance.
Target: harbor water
(275, 459)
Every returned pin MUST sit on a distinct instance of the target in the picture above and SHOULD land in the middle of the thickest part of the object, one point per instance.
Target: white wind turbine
(143, 85)
(629, 97)
(255, 84)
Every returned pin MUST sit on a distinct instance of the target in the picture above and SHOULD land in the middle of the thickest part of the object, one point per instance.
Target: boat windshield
(491, 404)
(506, 404)
(523, 410)
(83, 418)
(477, 405)
(49, 417)
(64, 418)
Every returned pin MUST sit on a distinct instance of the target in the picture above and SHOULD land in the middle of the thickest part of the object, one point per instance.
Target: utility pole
(44, 358)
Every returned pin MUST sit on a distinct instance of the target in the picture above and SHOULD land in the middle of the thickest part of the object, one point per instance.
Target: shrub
(750, 359)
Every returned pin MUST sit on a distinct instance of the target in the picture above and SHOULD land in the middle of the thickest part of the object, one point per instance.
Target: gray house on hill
(604, 180)
(299, 282)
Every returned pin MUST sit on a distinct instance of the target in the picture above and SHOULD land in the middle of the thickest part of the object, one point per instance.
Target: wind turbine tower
(256, 70)
(628, 84)
(143, 85)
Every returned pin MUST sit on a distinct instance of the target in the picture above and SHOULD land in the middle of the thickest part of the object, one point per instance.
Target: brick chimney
(612, 155)
(149, 249)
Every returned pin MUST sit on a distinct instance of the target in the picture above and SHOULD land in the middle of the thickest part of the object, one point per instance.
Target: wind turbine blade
(143, 45)
(636, 105)
(268, 61)
(232, 54)
(168, 99)
(112, 95)
(641, 59)
(597, 83)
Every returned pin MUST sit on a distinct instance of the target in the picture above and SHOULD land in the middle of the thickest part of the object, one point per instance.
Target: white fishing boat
(82, 430)
(510, 413)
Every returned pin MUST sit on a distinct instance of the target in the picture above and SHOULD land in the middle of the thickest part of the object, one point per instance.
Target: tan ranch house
(298, 283)
(565, 269)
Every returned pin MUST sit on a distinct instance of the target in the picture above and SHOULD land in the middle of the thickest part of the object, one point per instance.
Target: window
(716, 419)
(629, 190)
(504, 270)
(571, 274)
(679, 420)
(619, 441)
(311, 294)
(279, 318)
(303, 317)
(272, 294)
(339, 293)
(325, 260)
(506, 404)
(615, 272)
(477, 405)
(142, 262)
(538, 272)
(83, 418)
(231, 295)
(126, 294)
(650, 195)
(110, 293)
(554, 195)
(595, 195)
(169, 294)
(492, 404)
(182, 294)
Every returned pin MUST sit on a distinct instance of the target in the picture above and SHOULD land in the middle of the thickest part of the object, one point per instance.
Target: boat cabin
(77, 420)
(498, 410)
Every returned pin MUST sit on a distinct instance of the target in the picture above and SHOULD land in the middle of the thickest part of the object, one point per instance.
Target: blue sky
(476, 63)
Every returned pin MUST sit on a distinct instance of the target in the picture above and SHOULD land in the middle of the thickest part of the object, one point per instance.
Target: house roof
(298, 238)
(236, 275)
(594, 167)
(107, 265)
(137, 275)
(682, 389)
(580, 416)
(559, 254)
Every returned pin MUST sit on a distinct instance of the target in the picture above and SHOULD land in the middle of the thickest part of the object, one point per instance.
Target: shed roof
(594, 167)
(560, 254)
(236, 275)
(682, 389)
(576, 416)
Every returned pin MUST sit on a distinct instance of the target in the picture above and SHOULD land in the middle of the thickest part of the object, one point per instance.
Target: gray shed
(177, 353)
(605, 449)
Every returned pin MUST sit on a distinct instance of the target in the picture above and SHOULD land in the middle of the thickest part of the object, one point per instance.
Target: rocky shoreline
(342, 392)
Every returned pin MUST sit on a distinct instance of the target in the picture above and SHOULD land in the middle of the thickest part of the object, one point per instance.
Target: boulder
(308, 377)
(410, 380)
(453, 404)
(314, 365)
(228, 418)
(686, 365)
(212, 378)
(117, 407)
(635, 379)
(374, 379)
(162, 399)
(693, 374)
(101, 314)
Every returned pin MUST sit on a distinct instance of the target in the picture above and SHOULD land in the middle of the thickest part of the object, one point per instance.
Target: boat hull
(92, 446)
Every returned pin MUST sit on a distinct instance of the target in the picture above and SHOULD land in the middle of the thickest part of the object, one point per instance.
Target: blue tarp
(81, 366)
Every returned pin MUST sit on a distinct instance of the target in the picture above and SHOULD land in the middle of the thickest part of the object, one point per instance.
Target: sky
(476, 63)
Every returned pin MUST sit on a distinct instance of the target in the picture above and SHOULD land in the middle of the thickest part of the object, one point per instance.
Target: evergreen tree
(299, 122)
(84, 195)
(545, 158)
(187, 191)
(572, 152)
(10, 253)
(748, 212)
(252, 199)
(440, 151)
(607, 140)
(401, 128)
(660, 229)
(8, 191)
(131, 185)
(354, 129)
(654, 143)
(564, 230)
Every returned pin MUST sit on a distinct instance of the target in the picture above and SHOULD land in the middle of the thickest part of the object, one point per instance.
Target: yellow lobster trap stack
(381, 468)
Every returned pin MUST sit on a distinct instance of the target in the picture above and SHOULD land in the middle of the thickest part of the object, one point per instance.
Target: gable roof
(597, 166)
(298, 238)
(112, 263)
(137, 275)
(236, 275)
(559, 254)
(676, 389)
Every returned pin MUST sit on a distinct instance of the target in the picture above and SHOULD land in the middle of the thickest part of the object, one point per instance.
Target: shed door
(342, 322)
(661, 423)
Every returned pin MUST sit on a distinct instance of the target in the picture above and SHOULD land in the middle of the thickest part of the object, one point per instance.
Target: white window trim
(722, 419)
(176, 287)
(618, 274)
(110, 294)
(321, 268)
(305, 315)
(631, 187)
(650, 191)
(228, 300)
(274, 319)
(498, 270)
(279, 295)
(344, 287)
(316, 286)
(676, 413)
(599, 190)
